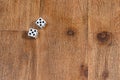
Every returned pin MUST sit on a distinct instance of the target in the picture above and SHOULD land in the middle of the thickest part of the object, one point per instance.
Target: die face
(33, 33)
(41, 23)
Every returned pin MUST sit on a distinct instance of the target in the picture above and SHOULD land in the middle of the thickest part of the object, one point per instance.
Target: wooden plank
(17, 56)
(63, 43)
(18, 14)
(104, 51)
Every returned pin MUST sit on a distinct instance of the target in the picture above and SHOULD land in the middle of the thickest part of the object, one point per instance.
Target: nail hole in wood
(70, 33)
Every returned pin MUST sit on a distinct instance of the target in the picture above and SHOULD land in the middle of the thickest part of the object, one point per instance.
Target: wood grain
(104, 22)
(18, 15)
(63, 43)
(17, 56)
(60, 52)
(80, 41)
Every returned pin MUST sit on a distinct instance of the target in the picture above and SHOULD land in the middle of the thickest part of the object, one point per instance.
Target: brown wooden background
(80, 41)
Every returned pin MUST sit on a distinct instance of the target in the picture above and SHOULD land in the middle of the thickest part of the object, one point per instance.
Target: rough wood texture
(62, 45)
(80, 41)
(17, 56)
(104, 25)
(18, 14)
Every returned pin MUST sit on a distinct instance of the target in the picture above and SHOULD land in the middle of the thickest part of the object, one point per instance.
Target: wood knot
(70, 32)
(104, 37)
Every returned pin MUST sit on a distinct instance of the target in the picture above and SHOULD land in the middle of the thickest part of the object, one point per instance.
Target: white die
(41, 22)
(33, 33)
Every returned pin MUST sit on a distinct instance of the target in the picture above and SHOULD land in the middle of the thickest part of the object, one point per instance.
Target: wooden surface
(104, 33)
(80, 41)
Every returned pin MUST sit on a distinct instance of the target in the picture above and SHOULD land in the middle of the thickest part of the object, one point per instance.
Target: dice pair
(41, 23)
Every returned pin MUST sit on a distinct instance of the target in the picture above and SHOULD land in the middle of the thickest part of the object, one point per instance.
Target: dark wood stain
(84, 71)
(105, 74)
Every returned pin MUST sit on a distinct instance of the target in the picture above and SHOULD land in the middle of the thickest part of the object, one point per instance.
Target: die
(33, 33)
(41, 22)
